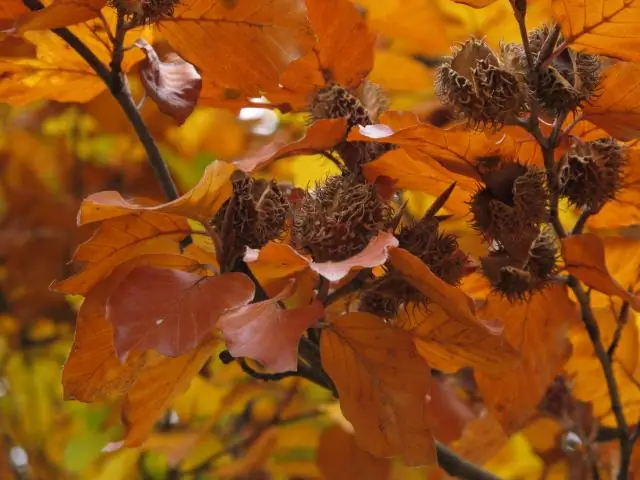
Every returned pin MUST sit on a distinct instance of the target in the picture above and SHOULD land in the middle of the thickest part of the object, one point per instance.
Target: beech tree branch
(123, 97)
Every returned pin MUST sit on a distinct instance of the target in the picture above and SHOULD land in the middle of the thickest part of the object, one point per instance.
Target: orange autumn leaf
(171, 311)
(239, 45)
(161, 380)
(374, 254)
(475, 3)
(322, 135)
(274, 264)
(339, 457)
(10, 9)
(200, 203)
(606, 29)
(268, 333)
(119, 240)
(60, 13)
(383, 386)
(584, 257)
(449, 344)
(337, 24)
(173, 83)
(616, 109)
(537, 329)
(452, 300)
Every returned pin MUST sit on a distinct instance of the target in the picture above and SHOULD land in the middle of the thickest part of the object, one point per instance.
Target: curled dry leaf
(322, 135)
(200, 203)
(374, 254)
(340, 458)
(60, 13)
(268, 333)
(173, 84)
(584, 257)
(119, 240)
(171, 311)
(538, 330)
(383, 386)
(606, 30)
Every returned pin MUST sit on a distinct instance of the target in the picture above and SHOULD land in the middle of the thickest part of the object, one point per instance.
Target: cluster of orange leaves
(156, 308)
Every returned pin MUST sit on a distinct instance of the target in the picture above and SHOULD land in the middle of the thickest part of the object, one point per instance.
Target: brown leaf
(61, 13)
(173, 84)
(449, 344)
(200, 203)
(93, 370)
(161, 380)
(608, 29)
(383, 386)
(374, 254)
(268, 333)
(340, 458)
(537, 329)
(616, 108)
(239, 44)
(584, 257)
(451, 299)
(171, 311)
(322, 135)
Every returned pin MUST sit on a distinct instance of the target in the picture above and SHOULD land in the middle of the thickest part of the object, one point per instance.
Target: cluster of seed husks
(509, 211)
(490, 89)
(255, 214)
(145, 12)
(590, 174)
(361, 106)
(438, 250)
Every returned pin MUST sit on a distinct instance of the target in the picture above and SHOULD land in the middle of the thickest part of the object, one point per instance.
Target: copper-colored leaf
(537, 329)
(60, 13)
(162, 380)
(340, 458)
(119, 240)
(451, 299)
(345, 47)
(584, 257)
(171, 311)
(241, 44)
(199, 203)
(383, 384)
(607, 28)
(421, 176)
(268, 333)
(173, 84)
(617, 106)
(322, 135)
(449, 344)
(374, 254)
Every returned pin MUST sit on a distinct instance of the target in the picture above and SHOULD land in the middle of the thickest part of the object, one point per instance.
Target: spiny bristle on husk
(568, 82)
(144, 12)
(590, 174)
(255, 214)
(339, 218)
(480, 87)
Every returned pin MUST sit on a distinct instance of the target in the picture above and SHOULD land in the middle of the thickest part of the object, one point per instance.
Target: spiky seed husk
(480, 87)
(380, 300)
(590, 174)
(511, 205)
(144, 12)
(339, 218)
(543, 258)
(571, 79)
(255, 214)
(360, 107)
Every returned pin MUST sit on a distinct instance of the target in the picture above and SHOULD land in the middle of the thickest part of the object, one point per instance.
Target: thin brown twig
(117, 82)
